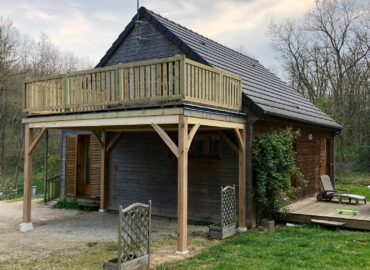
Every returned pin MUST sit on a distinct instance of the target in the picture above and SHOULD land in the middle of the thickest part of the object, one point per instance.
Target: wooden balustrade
(164, 81)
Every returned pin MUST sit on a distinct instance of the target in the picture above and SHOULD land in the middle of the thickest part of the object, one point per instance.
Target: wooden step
(328, 222)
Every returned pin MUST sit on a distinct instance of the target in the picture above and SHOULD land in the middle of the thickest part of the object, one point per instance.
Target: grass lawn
(353, 178)
(305, 247)
(365, 191)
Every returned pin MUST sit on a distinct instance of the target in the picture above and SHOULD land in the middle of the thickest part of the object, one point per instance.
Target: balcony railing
(164, 81)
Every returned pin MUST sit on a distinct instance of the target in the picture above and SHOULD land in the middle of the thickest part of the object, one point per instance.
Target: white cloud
(88, 28)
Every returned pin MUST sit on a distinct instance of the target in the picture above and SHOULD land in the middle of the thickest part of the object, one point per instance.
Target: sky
(87, 28)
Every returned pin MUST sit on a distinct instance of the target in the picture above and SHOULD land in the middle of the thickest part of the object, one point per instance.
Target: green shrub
(66, 203)
(7, 190)
(274, 166)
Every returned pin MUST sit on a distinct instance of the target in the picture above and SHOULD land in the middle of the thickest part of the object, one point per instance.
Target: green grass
(305, 247)
(364, 191)
(355, 179)
(18, 199)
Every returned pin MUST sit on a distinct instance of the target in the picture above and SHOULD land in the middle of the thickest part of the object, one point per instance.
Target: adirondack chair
(330, 192)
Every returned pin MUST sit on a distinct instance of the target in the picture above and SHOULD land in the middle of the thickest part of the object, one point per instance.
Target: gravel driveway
(59, 230)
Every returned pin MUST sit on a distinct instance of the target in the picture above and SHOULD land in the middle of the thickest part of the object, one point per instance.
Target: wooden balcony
(159, 82)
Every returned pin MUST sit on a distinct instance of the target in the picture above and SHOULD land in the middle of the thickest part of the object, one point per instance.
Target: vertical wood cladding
(153, 46)
(141, 168)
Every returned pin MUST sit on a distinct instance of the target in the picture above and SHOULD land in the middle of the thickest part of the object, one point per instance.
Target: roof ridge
(171, 21)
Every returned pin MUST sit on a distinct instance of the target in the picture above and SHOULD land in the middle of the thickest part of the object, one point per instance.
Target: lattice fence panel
(134, 232)
(228, 205)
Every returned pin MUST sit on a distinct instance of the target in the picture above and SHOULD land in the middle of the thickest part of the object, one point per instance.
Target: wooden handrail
(168, 80)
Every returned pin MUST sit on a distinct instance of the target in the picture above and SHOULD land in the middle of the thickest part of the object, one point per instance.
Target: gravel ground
(68, 231)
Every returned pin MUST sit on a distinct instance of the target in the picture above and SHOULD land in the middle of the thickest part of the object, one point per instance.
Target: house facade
(169, 116)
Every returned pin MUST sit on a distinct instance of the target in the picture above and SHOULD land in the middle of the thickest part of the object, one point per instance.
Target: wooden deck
(306, 210)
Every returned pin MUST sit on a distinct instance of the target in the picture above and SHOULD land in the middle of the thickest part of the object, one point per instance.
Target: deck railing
(162, 81)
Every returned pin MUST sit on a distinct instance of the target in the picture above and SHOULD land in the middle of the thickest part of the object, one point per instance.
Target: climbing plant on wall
(274, 165)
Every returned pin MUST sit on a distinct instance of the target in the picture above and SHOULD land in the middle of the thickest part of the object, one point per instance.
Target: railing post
(182, 76)
(221, 88)
(65, 89)
(24, 96)
(117, 84)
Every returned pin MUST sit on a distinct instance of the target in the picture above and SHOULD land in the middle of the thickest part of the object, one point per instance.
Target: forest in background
(325, 55)
(21, 58)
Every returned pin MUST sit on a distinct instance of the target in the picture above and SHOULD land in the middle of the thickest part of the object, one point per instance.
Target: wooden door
(71, 165)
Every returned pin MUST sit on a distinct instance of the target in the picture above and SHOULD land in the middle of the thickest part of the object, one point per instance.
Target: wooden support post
(46, 164)
(182, 188)
(251, 205)
(27, 190)
(181, 152)
(103, 140)
(241, 137)
(332, 160)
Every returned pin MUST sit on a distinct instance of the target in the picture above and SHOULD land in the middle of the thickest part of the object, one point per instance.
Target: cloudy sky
(88, 27)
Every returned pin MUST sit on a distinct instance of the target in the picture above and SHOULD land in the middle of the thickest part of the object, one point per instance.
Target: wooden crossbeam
(98, 137)
(191, 135)
(36, 140)
(229, 142)
(113, 141)
(168, 141)
(240, 138)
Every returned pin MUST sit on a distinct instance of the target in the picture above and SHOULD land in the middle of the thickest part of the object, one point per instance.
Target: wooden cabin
(169, 115)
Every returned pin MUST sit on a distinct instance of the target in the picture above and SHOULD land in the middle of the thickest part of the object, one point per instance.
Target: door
(83, 166)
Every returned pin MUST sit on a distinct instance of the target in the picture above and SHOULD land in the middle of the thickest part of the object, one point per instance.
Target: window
(205, 145)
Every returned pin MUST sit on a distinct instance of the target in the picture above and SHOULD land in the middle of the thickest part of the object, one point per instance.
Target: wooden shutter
(95, 166)
(71, 165)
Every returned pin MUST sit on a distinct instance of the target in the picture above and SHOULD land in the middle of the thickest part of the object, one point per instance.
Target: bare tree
(326, 56)
(23, 57)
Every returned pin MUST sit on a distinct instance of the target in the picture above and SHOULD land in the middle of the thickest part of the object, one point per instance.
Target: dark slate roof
(265, 93)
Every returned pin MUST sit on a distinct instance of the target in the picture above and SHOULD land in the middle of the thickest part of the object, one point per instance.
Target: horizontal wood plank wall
(308, 161)
(93, 189)
(309, 152)
(141, 169)
(71, 165)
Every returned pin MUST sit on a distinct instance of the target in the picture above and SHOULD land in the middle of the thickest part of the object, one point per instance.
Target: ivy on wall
(274, 165)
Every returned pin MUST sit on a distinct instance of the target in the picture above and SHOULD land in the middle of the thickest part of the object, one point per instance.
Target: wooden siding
(323, 157)
(71, 165)
(141, 168)
(309, 152)
(92, 190)
(308, 161)
(155, 45)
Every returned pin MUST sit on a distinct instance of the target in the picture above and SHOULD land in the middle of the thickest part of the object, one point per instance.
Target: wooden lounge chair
(330, 192)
